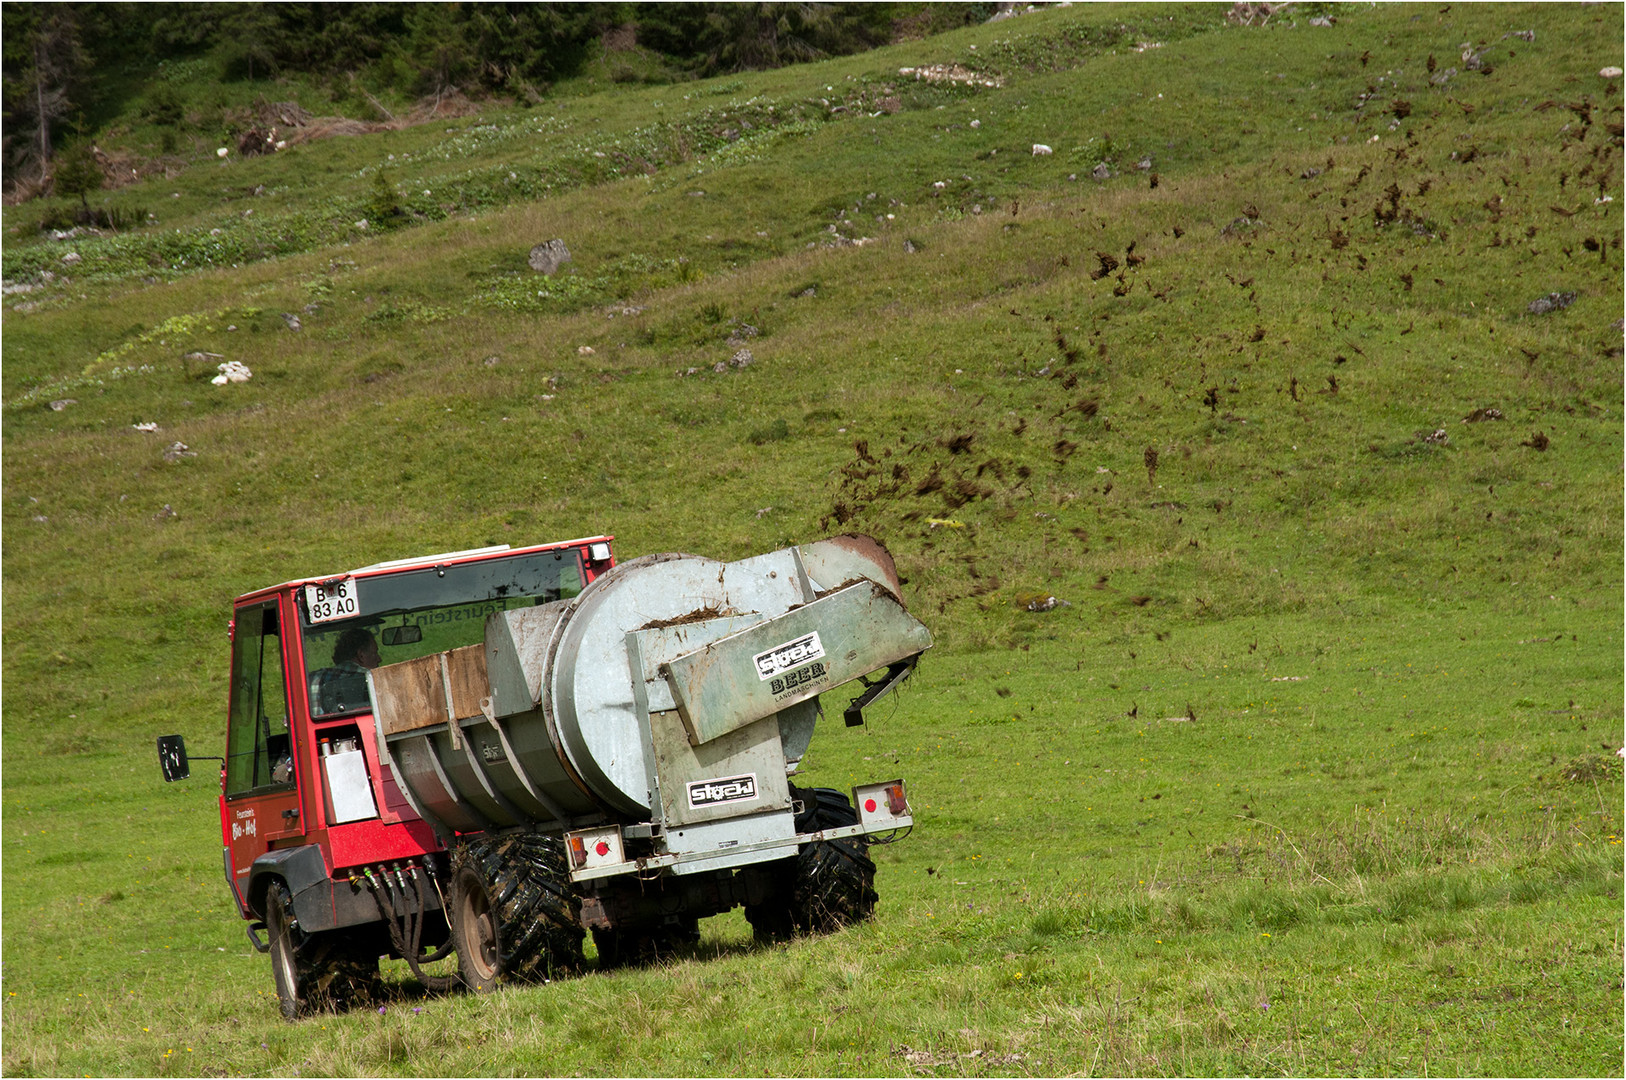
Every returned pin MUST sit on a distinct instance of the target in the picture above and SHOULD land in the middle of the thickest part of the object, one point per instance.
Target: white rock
(1610, 73)
(147, 426)
(1040, 149)
(585, 350)
(232, 371)
(222, 152)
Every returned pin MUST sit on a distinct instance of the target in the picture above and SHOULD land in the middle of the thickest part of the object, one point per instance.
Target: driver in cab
(343, 686)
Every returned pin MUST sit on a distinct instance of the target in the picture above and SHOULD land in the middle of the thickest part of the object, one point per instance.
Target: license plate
(330, 601)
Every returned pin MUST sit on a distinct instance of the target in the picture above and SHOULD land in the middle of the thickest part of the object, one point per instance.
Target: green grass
(1313, 771)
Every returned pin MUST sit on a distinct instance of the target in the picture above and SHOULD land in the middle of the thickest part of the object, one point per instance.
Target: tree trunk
(40, 69)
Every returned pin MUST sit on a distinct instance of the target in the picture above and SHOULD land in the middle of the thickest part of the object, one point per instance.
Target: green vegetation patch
(1253, 456)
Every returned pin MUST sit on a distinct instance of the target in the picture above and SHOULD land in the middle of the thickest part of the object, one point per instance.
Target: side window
(259, 753)
(570, 581)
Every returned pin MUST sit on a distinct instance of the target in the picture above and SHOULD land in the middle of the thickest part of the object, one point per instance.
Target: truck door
(261, 799)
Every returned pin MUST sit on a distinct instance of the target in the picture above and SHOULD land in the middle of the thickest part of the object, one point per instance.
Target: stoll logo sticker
(729, 789)
(789, 655)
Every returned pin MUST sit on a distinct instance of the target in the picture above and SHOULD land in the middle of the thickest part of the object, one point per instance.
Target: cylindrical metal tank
(558, 719)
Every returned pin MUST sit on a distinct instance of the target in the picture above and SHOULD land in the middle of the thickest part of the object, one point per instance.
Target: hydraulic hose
(405, 924)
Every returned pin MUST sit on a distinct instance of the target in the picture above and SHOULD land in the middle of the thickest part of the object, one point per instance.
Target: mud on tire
(514, 913)
(315, 972)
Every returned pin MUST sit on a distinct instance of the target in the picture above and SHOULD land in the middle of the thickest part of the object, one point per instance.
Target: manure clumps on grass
(1553, 301)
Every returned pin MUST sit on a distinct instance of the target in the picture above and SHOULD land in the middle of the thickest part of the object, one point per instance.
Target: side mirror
(172, 758)
(402, 635)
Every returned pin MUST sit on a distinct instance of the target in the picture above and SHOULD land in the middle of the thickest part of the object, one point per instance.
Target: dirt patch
(1589, 767)
(705, 614)
(437, 107)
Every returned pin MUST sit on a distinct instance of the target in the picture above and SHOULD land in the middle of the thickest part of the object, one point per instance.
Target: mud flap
(305, 872)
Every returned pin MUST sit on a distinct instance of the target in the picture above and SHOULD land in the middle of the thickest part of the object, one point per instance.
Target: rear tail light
(593, 849)
(884, 805)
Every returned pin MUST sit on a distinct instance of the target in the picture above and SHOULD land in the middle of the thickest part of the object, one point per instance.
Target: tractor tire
(627, 947)
(831, 883)
(835, 879)
(313, 972)
(514, 914)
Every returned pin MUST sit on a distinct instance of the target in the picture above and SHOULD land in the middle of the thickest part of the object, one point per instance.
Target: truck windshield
(415, 613)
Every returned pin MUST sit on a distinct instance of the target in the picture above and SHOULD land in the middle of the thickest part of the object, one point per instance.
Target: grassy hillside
(1293, 372)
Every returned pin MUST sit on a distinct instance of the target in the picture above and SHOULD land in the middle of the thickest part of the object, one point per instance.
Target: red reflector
(601, 848)
(869, 806)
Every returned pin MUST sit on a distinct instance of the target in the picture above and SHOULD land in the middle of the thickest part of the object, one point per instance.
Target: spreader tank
(674, 689)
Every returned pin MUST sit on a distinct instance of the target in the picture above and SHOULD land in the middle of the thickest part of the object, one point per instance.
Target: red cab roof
(447, 558)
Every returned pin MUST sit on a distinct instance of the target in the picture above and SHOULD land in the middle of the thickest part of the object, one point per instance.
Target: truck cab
(305, 798)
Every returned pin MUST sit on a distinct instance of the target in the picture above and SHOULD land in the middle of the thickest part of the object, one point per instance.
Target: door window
(259, 752)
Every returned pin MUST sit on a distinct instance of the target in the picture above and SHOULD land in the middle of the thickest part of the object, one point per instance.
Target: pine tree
(77, 173)
(43, 60)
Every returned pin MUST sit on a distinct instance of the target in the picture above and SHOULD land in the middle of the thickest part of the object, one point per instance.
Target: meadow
(1291, 374)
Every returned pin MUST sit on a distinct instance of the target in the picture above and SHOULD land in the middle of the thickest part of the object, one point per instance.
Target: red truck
(494, 752)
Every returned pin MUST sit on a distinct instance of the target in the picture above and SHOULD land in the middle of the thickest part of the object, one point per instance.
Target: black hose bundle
(404, 920)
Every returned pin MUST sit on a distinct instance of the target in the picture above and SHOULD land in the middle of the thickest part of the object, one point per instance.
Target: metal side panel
(758, 671)
(767, 583)
(535, 761)
(460, 763)
(418, 770)
(796, 726)
(516, 779)
(740, 773)
(482, 748)
(732, 840)
(655, 647)
(516, 655)
(841, 559)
